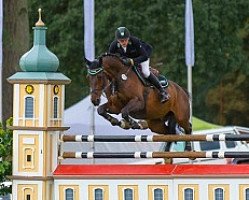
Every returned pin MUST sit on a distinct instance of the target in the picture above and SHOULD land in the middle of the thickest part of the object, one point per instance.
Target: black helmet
(122, 33)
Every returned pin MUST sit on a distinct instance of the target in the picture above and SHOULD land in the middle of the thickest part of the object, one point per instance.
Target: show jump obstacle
(213, 154)
(155, 138)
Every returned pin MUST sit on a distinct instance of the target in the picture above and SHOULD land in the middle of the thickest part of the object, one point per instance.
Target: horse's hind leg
(188, 131)
(159, 126)
(187, 126)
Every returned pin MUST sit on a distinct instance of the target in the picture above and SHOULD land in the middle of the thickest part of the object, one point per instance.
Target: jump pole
(154, 138)
(211, 154)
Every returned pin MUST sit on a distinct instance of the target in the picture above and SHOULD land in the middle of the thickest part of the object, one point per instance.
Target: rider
(136, 52)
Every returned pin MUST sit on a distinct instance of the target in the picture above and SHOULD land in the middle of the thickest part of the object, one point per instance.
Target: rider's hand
(128, 61)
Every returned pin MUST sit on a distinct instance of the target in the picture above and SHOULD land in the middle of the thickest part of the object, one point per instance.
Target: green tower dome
(39, 58)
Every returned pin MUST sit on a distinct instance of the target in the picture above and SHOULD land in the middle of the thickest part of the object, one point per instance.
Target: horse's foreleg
(143, 124)
(103, 111)
(107, 108)
(132, 106)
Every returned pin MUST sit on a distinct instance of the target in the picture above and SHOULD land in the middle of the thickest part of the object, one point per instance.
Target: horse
(127, 95)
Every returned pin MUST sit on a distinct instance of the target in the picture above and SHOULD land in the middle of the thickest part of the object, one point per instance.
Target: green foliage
(231, 110)
(65, 39)
(221, 45)
(6, 138)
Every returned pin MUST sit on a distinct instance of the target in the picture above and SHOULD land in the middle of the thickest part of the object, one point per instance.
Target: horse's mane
(116, 56)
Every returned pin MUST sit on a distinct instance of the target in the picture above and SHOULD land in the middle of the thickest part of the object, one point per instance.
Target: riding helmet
(122, 33)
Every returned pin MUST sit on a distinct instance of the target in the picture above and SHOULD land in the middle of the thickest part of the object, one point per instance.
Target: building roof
(112, 171)
(39, 77)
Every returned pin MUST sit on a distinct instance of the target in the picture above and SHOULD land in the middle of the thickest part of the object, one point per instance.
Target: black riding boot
(163, 94)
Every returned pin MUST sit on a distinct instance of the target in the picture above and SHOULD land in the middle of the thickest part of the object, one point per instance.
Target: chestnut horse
(127, 95)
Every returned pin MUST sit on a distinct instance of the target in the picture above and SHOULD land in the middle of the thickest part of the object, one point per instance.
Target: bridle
(96, 72)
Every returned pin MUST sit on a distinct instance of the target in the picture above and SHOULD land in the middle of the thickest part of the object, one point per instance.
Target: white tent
(79, 118)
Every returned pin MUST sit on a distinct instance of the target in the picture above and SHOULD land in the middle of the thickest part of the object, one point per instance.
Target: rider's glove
(128, 61)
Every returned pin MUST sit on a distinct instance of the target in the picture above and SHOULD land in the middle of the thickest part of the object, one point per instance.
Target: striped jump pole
(211, 154)
(154, 138)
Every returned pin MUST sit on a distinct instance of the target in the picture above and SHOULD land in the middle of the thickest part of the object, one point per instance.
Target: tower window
(188, 194)
(29, 107)
(28, 197)
(69, 194)
(128, 194)
(247, 193)
(55, 107)
(219, 194)
(158, 194)
(28, 158)
(98, 193)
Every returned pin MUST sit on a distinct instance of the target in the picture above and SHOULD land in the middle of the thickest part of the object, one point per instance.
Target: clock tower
(38, 106)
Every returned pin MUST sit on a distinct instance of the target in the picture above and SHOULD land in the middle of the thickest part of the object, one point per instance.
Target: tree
(6, 137)
(64, 20)
(15, 44)
(220, 55)
(221, 42)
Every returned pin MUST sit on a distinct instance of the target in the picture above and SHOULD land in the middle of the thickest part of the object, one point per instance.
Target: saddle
(162, 79)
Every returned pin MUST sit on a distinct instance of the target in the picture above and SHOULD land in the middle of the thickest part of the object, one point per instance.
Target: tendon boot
(164, 96)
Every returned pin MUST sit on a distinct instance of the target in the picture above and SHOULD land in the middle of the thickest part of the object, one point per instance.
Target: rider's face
(123, 42)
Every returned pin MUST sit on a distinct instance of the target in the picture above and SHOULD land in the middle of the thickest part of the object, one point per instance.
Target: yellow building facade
(37, 123)
(151, 182)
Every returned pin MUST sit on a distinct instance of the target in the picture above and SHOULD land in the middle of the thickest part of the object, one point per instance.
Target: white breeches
(146, 68)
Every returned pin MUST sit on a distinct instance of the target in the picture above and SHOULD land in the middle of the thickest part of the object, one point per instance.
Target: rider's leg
(153, 79)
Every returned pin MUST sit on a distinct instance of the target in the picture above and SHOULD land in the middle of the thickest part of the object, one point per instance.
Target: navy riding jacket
(136, 49)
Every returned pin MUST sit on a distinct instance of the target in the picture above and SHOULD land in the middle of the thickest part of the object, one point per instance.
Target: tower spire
(39, 22)
(39, 58)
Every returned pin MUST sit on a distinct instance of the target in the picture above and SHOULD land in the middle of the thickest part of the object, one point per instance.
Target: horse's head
(97, 80)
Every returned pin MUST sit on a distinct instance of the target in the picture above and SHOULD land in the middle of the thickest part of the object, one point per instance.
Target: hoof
(115, 122)
(135, 126)
(124, 125)
(188, 147)
(168, 160)
(143, 124)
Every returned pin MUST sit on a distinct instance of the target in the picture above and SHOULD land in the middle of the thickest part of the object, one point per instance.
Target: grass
(199, 124)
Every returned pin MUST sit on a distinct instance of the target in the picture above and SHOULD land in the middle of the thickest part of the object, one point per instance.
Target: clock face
(56, 89)
(29, 89)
